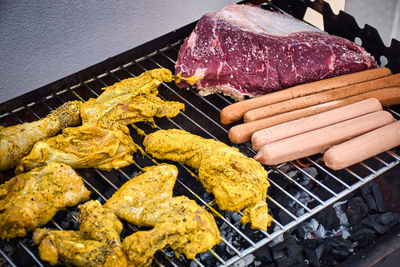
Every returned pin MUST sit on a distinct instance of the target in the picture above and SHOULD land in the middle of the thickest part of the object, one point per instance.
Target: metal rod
(7, 258)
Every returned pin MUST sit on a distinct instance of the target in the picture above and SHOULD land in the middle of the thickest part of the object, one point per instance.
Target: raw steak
(246, 50)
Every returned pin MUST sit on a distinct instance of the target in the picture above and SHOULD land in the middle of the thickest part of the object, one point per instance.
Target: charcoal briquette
(339, 254)
(381, 229)
(295, 252)
(386, 218)
(368, 198)
(311, 171)
(285, 262)
(312, 257)
(264, 252)
(376, 192)
(364, 237)
(356, 210)
(328, 218)
(277, 254)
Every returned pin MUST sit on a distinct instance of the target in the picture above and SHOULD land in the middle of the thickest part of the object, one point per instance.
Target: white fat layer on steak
(259, 21)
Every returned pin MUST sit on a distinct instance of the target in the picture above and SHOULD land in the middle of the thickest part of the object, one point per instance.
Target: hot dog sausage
(235, 112)
(322, 97)
(242, 133)
(363, 147)
(306, 124)
(317, 141)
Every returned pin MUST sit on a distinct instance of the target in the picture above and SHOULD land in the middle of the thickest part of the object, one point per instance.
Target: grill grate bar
(312, 178)
(329, 173)
(367, 167)
(282, 208)
(7, 258)
(299, 185)
(31, 254)
(289, 195)
(381, 160)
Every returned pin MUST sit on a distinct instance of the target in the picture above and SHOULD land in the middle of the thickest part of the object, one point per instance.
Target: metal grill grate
(201, 117)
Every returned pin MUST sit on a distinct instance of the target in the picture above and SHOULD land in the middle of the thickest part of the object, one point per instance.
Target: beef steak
(245, 50)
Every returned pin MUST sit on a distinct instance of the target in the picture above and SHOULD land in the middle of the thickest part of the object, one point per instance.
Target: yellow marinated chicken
(31, 199)
(238, 183)
(16, 141)
(97, 243)
(131, 100)
(86, 146)
(99, 224)
(179, 223)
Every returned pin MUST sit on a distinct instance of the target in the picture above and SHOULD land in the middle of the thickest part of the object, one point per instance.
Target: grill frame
(88, 83)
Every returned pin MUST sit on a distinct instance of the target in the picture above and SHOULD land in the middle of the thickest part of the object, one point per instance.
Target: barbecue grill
(201, 117)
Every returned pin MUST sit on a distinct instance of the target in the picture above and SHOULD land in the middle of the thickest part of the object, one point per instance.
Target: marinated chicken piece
(238, 183)
(136, 200)
(131, 100)
(97, 223)
(97, 243)
(31, 199)
(179, 223)
(86, 146)
(16, 141)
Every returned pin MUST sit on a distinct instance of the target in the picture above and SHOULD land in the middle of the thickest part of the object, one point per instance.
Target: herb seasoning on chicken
(238, 183)
(31, 199)
(16, 141)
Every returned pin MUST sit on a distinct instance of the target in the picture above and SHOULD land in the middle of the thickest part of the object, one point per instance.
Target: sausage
(306, 124)
(235, 112)
(317, 141)
(363, 147)
(242, 133)
(322, 97)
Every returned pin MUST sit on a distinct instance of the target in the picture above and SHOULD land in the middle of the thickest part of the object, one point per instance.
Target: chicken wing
(16, 141)
(178, 222)
(31, 199)
(97, 243)
(86, 146)
(131, 100)
(238, 183)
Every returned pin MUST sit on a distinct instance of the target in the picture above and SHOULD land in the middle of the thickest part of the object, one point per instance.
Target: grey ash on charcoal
(332, 235)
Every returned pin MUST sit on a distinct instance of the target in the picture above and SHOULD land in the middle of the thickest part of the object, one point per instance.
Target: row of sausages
(312, 118)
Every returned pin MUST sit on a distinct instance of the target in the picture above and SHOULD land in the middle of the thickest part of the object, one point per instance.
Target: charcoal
(285, 262)
(235, 217)
(328, 218)
(257, 263)
(295, 252)
(367, 195)
(356, 210)
(386, 219)
(293, 173)
(339, 254)
(364, 237)
(312, 256)
(381, 229)
(311, 171)
(312, 243)
(284, 218)
(277, 254)
(396, 218)
(299, 231)
(376, 191)
(263, 252)
(328, 260)
(207, 259)
(300, 264)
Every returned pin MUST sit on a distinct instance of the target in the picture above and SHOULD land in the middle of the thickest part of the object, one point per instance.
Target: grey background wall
(42, 41)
